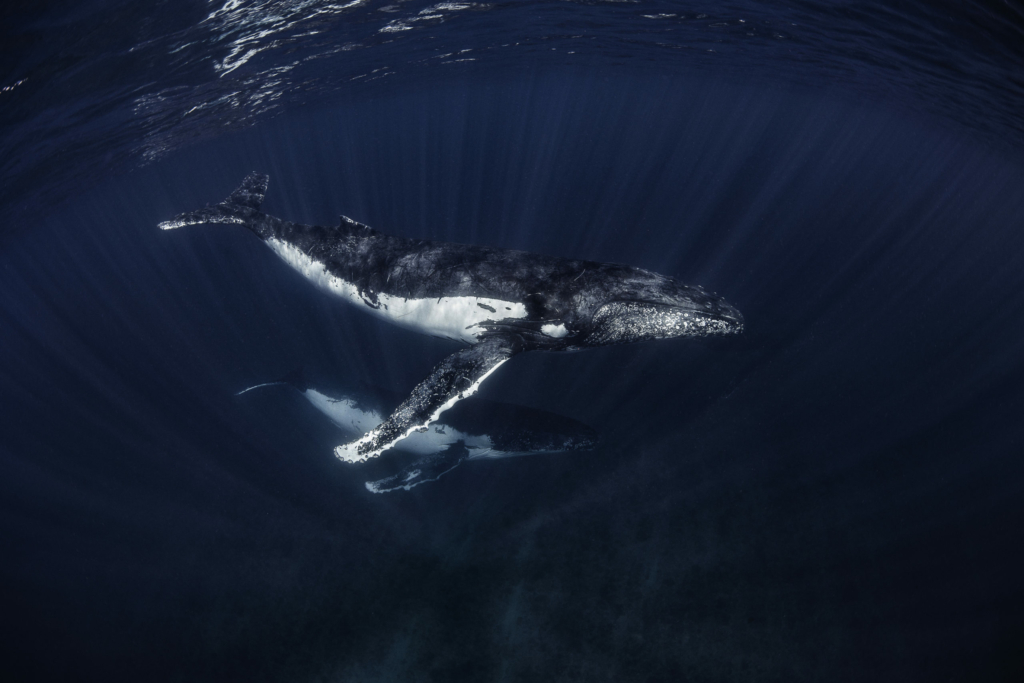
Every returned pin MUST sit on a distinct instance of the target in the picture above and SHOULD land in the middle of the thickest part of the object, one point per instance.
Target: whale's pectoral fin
(429, 468)
(456, 377)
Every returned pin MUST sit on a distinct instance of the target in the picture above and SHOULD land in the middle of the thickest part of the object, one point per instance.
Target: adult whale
(500, 301)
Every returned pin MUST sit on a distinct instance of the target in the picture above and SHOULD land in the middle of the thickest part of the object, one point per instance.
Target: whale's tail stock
(240, 208)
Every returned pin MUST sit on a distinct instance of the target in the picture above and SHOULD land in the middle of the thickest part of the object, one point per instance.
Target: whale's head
(675, 310)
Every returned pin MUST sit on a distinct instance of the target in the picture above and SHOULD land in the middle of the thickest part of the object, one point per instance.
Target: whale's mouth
(728, 315)
(722, 316)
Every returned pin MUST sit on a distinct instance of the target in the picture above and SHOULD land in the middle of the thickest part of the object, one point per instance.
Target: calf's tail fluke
(239, 208)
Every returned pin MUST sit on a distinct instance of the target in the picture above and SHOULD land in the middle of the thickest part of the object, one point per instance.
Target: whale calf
(500, 302)
(473, 430)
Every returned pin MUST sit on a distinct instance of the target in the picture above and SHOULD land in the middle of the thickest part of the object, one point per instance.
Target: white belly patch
(449, 317)
(344, 413)
(438, 436)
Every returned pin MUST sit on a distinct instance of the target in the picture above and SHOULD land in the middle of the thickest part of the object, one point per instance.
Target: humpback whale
(473, 430)
(500, 302)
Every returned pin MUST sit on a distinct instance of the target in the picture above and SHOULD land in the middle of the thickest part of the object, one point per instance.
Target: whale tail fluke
(239, 208)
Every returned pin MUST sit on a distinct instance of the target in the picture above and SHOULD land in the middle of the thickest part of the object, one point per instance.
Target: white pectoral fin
(429, 468)
(456, 377)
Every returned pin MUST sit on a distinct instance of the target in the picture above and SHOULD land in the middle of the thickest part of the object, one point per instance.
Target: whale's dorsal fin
(456, 377)
(429, 468)
(356, 227)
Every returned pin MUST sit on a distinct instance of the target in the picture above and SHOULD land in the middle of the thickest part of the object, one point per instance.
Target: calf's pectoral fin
(456, 377)
(429, 468)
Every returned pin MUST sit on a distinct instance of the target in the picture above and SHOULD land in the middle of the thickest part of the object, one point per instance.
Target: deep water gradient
(834, 495)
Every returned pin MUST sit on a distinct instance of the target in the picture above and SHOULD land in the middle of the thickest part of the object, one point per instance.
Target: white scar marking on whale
(448, 317)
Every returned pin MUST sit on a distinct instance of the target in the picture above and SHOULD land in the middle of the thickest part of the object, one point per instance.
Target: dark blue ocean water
(834, 495)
